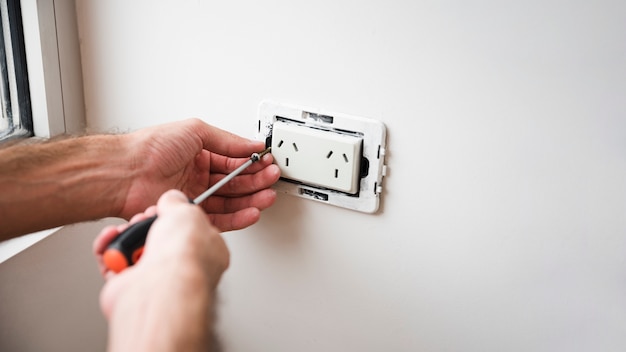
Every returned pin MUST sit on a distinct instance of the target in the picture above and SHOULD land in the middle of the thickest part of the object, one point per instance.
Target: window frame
(54, 67)
(55, 82)
(14, 74)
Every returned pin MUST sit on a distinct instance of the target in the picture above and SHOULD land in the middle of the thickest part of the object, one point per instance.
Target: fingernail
(276, 169)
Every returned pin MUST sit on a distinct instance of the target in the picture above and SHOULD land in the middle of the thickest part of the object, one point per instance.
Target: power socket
(317, 157)
(328, 157)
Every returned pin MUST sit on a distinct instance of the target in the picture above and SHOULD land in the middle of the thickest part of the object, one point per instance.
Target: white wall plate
(325, 156)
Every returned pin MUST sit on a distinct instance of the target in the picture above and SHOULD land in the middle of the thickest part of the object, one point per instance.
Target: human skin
(165, 301)
(45, 185)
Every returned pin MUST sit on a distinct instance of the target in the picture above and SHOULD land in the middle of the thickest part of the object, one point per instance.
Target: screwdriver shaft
(199, 199)
(254, 158)
(127, 247)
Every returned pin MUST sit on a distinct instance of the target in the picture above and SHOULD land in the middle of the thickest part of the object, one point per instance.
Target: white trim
(373, 134)
(13, 246)
(54, 67)
(55, 82)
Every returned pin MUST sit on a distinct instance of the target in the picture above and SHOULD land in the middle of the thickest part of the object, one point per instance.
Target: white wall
(503, 221)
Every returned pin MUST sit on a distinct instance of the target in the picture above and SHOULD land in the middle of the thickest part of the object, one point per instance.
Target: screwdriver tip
(257, 156)
(267, 150)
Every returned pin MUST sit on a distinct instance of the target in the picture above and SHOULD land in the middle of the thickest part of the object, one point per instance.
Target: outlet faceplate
(317, 157)
(327, 157)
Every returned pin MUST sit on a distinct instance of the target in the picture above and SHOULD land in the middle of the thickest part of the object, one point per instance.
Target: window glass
(16, 120)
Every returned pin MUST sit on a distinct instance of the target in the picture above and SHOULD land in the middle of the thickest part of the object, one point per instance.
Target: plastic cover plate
(372, 168)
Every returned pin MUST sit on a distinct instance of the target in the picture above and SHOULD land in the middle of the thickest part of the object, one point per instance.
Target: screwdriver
(127, 247)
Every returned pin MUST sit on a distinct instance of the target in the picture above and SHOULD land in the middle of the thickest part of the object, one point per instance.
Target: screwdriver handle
(127, 247)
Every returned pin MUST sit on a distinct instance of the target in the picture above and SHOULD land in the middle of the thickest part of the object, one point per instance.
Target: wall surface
(503, 220)
(50, 294)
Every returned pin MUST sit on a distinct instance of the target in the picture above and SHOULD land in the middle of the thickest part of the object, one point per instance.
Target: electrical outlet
(313, 156)
(332, 158)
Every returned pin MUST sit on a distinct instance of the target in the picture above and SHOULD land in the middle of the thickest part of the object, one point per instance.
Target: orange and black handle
(126, 249)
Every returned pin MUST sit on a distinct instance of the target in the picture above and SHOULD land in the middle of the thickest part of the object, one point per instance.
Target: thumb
(171, 199)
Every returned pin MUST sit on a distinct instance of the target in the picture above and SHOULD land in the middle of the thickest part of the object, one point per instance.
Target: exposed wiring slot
(284, 119)
(314, 194)
(317, 117)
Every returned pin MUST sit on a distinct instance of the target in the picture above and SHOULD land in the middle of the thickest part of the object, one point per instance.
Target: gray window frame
(16, 119)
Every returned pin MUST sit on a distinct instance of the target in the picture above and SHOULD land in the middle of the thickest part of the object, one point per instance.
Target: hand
(165, 298)
(191, 156)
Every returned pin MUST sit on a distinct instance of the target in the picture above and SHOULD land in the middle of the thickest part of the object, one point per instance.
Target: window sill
(11, 247)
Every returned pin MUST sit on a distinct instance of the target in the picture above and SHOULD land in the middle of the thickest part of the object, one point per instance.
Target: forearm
(55, 183)
(168, 310)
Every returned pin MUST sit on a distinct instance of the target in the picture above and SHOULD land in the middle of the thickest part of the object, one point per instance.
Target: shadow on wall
(281, 225)
(50, 294)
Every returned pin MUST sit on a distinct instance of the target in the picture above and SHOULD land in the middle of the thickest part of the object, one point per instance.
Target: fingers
(111, 291)
(151, 211)
(176, 214)
(109, 233)
(248, 183)
(105, 236)
(261, 200)
(100, 244)
(171, 199)
(229, 214)
(235, 221)
(224, 165)
(223, 142)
